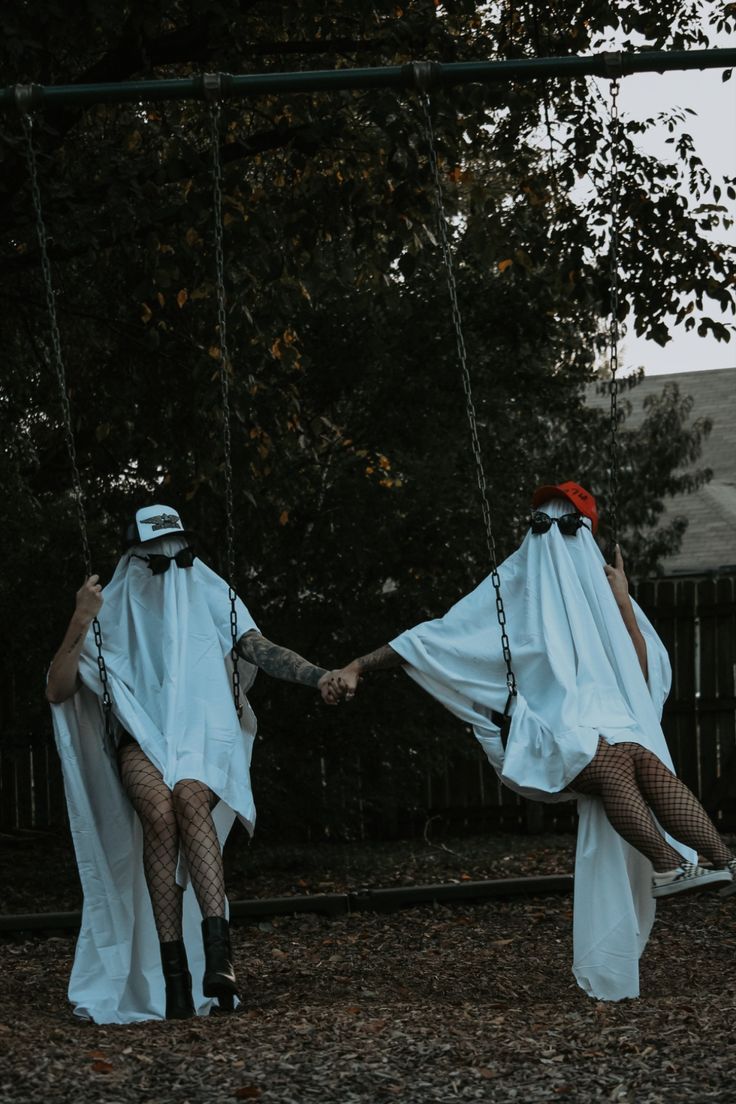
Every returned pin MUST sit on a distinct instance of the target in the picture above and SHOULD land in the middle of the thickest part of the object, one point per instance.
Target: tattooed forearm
(280, 663)
(379, 660)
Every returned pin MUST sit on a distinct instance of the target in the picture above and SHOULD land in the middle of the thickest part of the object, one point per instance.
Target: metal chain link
(468, 391)
(614, 332)
(224, 365)
(60, 372)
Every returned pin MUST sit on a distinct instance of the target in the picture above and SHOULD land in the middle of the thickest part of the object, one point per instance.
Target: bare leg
(193, 804)
(611, 775)
(152, 801)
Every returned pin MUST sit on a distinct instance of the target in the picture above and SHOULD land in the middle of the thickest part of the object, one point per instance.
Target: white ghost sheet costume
(578, 677)
(166, 643)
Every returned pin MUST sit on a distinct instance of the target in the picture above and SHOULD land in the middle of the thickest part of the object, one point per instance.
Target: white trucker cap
(152, 522)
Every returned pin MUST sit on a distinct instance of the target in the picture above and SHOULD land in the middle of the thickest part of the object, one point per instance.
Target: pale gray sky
(714, 134)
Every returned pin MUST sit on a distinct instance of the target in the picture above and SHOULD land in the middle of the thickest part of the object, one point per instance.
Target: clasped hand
(339, 685)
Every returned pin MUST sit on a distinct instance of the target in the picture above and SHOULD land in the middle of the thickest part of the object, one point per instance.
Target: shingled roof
(709, 543)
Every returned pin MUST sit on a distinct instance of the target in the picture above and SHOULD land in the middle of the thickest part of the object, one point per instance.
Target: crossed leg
(633, 783)
(171, 819)
(193, 803)
(152, 801)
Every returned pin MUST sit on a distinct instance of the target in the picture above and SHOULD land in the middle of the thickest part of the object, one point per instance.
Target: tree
(355, 501)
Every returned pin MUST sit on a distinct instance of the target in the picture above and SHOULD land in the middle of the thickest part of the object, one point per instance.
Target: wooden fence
(696, 619)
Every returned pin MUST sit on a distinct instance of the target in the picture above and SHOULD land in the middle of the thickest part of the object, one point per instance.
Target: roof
(709, 543)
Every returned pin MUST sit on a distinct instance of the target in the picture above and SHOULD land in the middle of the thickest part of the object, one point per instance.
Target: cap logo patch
(162, 521)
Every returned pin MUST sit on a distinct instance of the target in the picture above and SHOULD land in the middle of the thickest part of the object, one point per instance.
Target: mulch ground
(425, 1005)
(38, 872)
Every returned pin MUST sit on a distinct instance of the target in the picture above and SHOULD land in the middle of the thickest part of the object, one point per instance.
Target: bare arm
(63, 677)
(280, 663)
(620, 587)
(380, 660)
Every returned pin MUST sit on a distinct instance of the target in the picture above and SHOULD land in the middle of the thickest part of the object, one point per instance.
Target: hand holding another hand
(339, 685)
(348, 679)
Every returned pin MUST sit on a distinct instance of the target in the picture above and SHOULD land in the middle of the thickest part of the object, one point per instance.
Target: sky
(714, 134)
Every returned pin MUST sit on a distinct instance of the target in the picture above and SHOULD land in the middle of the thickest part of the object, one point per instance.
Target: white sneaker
(686, 877)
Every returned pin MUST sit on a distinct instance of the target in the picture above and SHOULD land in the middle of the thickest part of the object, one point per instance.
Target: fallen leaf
(375, 1026)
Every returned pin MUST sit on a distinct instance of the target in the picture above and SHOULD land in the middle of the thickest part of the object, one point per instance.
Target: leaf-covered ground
(425, 1005)
(38, 872)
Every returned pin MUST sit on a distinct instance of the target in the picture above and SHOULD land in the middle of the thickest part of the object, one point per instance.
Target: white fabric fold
(578, 677)
(166, 643)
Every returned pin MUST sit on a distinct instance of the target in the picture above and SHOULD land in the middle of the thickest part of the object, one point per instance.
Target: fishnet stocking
(633, 783)
(193, 803)
(151, 799)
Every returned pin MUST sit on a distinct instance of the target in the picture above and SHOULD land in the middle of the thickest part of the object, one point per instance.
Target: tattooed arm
(380, 660)
(281, 663)
(63, 677)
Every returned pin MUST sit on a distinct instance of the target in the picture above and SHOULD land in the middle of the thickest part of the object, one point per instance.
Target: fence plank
(8, 802)
(24, 783)
(40, 762)
(57, 798)
(708, 751)
(724, 799)
(684, 662)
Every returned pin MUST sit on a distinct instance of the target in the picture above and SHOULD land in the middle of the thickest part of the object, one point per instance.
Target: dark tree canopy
(356, 507)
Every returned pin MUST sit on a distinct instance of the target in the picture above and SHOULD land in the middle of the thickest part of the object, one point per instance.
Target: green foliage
(357, 513)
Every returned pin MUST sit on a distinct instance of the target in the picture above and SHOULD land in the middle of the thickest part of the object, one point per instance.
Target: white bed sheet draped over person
(579, 677)
(167, 642)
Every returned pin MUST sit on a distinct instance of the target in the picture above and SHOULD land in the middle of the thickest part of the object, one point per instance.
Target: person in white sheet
(158, 798)
(592, 678)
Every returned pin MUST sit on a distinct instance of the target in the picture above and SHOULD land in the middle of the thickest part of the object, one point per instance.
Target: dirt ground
(425, 1005)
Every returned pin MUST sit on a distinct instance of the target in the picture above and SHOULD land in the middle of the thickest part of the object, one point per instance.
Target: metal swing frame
(422, 76)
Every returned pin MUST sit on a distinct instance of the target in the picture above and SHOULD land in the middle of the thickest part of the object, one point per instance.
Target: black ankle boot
(179, 1003)
(219, 975)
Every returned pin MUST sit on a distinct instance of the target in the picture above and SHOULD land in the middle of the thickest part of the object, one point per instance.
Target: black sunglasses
(568, 524)
(159, 564)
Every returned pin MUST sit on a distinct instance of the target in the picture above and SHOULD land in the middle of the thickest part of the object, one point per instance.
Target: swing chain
(614, 332)
(224, 367)
(58, 364)
(468, 391)
(102, 669)
(57, 355)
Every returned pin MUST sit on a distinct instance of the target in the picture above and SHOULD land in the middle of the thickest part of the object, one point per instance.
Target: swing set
(422, 77)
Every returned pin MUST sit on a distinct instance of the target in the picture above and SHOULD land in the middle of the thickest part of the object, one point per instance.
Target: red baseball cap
(581, 499)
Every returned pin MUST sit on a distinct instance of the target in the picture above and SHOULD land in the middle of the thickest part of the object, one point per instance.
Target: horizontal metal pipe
(429, 74)
(339, 904)
(388, 900)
